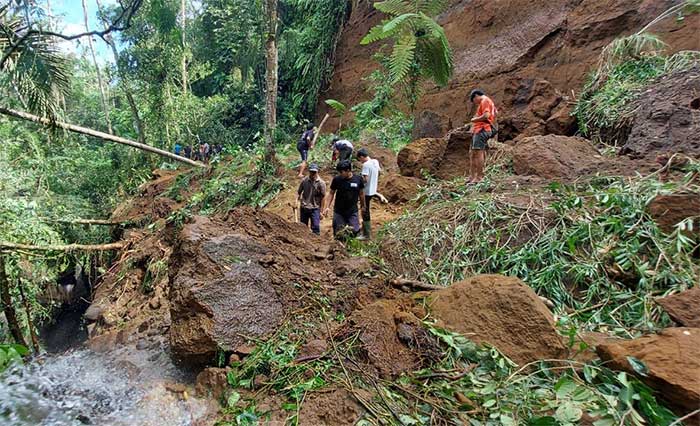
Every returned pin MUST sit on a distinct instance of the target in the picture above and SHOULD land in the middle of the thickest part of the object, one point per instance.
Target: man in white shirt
(370, 174)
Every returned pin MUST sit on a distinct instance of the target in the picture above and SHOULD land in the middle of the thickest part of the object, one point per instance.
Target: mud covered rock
(336, 408)
(684, 307)
(392, 340)
(430, 124)
(666, 120)
(555, 157)
(212, 382)
(669, 210)
(421, 156)
(398, 188)
(502, 311)
(672, 360)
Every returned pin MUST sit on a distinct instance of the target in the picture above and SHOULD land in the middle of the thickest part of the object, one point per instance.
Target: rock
(561, 122)
(399, 189)
(128, 368)
(669, 210)
(683, 308)
(94, 312)
(555, 157)
(430, 124)
(666, 120)
(672, 360)
(353, 265)
(421, 156)
(142, 344)
(502, 311)
(212, 383)
(313, 349)
(336, 408)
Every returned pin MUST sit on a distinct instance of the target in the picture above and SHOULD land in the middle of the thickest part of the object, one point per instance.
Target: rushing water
(125, 387)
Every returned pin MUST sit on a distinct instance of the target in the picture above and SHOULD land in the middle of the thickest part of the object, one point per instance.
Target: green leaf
(233, 399)
(638, 366)
(407, 420)
(568, 413)
(543, 421)
(507, 420)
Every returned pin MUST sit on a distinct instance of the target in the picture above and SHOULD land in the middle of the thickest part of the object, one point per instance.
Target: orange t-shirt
(485, 105)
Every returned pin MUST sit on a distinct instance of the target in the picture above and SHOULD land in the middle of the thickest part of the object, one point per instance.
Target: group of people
(198, 152)
(349, 190)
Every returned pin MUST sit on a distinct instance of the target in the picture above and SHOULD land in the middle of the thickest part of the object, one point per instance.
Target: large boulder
(399, 189)
(555, 157)
(430, 124)
(666, 117)
(503, 312)
(671, 209)
(421, 156)
(672, 360)
(684, 307)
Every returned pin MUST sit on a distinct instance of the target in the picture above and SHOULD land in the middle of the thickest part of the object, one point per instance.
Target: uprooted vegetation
(591, 247)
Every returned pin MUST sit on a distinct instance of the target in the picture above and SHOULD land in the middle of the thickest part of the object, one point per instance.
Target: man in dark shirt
(311, 192)
(346, 189)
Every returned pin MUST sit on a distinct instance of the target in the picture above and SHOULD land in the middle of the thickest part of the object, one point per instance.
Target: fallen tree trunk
(98, 134)
(84, 221)
(5, 246)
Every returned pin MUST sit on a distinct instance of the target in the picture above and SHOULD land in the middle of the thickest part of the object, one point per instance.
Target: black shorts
(480, 140)
(303, 151)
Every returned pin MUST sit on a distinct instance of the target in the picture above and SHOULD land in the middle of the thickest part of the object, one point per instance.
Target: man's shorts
(480, 140)
(303, 151)
(345, 154)
(342, 221)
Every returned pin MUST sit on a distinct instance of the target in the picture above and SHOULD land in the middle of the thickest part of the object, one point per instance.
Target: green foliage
(592, 248)
(496, 392)
(420, 47)
(11, 354)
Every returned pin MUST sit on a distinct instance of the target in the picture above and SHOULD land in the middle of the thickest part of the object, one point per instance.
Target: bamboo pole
(104, 222)
(98, 134)
(6, 246)
(318, 131)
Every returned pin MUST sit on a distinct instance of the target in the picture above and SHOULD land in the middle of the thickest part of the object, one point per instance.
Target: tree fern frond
(402, 57)
(431, 7)
(435, 64)
(399, 23)
(394, 7)
(375, 34)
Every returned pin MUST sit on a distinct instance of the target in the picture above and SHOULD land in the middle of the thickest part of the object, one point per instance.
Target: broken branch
(6, 246)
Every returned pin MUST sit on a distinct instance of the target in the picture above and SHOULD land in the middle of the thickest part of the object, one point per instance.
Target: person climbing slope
(342, 149)
(370, 175)
(311, 192)
(483, 129)
(304, 145)
(348, 188)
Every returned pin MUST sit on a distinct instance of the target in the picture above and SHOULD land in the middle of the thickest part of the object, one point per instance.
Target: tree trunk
(271, 80)
(30, 323)
(183, 16)
(123, 82)
(8, 308)
(64, 247)
(97, 134)
(105, 105)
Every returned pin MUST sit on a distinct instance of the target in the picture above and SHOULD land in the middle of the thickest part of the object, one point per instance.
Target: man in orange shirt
(483, 129)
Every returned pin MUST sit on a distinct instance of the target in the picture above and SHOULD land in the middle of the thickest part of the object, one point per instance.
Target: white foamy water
(125, 387)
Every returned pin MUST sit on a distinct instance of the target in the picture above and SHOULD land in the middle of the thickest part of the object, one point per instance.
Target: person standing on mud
(483, 129)
(305, 144)
(312, 191)
(370, 176)
(342, 149)
(348, 188)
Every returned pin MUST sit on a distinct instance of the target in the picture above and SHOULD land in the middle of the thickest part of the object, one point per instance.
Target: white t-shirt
(371, 169)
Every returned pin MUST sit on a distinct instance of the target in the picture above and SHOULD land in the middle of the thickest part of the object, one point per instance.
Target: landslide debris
(555, 157)
(684, 307)
(667, 117)
(671, 364)
(503, 312)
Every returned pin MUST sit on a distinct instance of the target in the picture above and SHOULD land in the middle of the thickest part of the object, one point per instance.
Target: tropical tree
(420, 47)
(271, 78)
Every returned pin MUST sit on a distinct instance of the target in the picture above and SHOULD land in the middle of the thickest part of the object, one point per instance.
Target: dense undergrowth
(590, 247)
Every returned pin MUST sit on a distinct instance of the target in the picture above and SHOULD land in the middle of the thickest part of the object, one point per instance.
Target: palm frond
(337, 106)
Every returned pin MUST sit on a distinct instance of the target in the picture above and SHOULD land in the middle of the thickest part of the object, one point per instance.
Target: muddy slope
(529, 55)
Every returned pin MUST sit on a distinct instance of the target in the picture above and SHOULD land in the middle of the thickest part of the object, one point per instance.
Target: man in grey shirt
(312, 191)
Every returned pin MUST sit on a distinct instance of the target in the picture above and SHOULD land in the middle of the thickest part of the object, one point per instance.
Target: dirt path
(282, 204)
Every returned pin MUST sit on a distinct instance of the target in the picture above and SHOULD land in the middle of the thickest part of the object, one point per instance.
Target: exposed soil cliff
(529, 55)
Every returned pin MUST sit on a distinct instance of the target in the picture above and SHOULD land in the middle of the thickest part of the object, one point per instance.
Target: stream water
(125, 387)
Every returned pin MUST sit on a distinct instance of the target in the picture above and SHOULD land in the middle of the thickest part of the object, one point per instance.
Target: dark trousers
(313, 216)
(366, 213)
(341, 222)
(345, 154)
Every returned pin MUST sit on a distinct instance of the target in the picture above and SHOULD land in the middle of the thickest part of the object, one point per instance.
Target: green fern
(421, 49)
